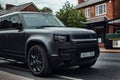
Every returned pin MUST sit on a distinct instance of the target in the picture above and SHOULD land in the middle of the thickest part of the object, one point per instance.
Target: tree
(71, 17)
(46, 9)
(1, 7)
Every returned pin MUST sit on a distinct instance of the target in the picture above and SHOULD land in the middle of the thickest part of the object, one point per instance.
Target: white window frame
(97, 9)
(87, 12)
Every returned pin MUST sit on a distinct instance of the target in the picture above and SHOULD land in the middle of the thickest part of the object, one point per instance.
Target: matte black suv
(43, 42)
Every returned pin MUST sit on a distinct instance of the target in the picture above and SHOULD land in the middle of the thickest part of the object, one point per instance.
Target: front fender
(41, 40)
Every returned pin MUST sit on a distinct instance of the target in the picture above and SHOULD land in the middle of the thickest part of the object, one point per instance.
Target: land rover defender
(43, 42)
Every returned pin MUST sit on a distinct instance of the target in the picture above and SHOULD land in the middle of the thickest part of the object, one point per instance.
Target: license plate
(87, 54)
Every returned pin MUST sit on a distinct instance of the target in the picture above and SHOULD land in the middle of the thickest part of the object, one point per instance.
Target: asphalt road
(107, 67)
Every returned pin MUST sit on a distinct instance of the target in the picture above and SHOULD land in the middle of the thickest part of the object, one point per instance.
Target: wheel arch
(32, 43)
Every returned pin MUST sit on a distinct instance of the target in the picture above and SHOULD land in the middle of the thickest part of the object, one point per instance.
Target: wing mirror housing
(17, 26)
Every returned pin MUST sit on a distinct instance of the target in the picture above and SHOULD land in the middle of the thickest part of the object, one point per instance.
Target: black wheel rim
(35, 61)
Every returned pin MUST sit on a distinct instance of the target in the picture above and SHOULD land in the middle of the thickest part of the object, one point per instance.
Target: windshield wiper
(45, 26)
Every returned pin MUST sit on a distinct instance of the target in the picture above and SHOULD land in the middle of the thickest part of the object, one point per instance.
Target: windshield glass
(35, 20)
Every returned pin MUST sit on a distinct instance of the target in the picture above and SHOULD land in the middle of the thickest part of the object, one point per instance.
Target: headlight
(61, 38)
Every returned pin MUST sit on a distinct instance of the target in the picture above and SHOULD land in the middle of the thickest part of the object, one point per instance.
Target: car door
(14, 38)
(2, 35)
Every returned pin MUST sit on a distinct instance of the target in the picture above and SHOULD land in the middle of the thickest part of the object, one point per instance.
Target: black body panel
(16, 42)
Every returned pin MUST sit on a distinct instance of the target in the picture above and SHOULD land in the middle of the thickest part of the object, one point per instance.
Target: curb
(103, 50)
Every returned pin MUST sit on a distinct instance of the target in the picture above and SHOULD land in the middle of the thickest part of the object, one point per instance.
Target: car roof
(13, 13)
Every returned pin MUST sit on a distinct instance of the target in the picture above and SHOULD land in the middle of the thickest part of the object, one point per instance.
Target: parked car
(43, 42)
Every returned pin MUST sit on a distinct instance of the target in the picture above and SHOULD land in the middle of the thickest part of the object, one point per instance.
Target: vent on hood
(84, 36)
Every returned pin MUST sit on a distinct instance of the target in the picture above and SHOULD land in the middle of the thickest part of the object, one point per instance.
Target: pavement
(103, 50)
(9, 76)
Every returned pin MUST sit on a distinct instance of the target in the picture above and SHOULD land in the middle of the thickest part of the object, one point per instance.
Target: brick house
(97, 13)
(24, 7)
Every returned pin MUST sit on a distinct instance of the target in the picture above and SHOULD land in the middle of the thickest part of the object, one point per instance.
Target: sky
(55, 5)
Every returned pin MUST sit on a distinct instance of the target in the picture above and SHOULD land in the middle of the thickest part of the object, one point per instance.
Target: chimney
(8, 6)
(79, 1)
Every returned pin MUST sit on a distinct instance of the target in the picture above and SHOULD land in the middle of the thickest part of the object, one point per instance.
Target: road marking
(9, 76)
(66, 77)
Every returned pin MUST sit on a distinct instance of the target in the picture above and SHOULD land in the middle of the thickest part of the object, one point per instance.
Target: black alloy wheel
(37, 61)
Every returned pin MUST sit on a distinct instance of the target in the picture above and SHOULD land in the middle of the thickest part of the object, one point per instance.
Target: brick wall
(110, 13)
(116, 14)
(116, 4)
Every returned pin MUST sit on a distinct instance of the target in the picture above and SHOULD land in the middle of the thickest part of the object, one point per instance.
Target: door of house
(101, 33)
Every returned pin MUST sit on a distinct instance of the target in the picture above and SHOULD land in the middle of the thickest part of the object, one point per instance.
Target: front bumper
(70, 53)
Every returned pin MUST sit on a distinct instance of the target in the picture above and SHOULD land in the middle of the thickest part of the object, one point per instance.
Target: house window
(100, 9)
(87, 12)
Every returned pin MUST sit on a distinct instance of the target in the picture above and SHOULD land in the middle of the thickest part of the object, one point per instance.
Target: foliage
(71, 17)
(46, 9)
(1, 7)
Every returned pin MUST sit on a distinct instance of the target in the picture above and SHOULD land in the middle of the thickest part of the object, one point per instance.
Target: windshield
(35, 20)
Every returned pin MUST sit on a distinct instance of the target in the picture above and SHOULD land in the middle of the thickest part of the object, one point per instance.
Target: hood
(61, 30)
(67, 30)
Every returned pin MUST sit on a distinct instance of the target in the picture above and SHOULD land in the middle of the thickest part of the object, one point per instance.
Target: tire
(88, 65)
(37, 61)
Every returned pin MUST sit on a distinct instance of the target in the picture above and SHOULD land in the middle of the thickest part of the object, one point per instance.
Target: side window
(15, 19)
(16, 22)
(4, 23)
(8, 22)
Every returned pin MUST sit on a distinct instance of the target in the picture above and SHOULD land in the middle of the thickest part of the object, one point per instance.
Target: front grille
(84, 36)
(67, 55)
(88, 42)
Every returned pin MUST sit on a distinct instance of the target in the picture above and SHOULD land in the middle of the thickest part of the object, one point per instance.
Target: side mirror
(17, 26)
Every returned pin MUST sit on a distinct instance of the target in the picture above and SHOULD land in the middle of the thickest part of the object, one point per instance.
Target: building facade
(98, 12)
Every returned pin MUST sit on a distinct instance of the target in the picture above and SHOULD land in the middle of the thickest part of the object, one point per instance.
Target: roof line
(19, 8)
(29, 5)
(88, 3)
(26, 6)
